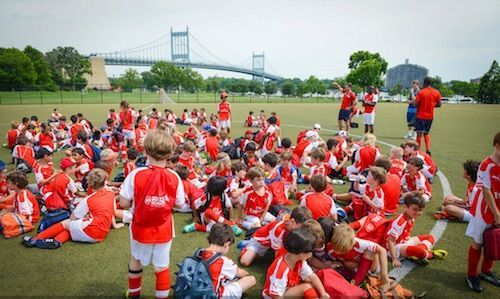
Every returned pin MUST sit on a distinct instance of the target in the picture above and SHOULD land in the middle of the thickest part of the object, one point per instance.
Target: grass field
(459, 132)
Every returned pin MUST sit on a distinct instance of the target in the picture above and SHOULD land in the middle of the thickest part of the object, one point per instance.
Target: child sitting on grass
(238, 183)
(414, 180)
(24, 202)
(222, 166)
(228, 279)
(398, 165)
(90, 221)
(289, 276)
(456, 208)
(129, 166)
(320, 204)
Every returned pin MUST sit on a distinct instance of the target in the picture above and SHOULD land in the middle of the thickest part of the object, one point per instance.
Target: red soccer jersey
(97, 211)
(400, 228)
(212, 146)
(488, 176)
(271, 235)
(74, 130)
(128, 168)
(12, 135)
(215, 206)
(415, 183)
(397, 167)
(26, 153)
(127, 119)
(301, 146)
(280, 276)
(188, 161)
(46, 140)
(223, 270)
(428, 162)
(271, 132)
(224, 110)
(152, 123)
(25, 204)
(153, 191)
(84, 166)
(348, 98)
(369, 98)
(392, 190)
(43, 173)
(426, 100)
(255, 204)
(366, 156)
(320, 204)
(61, 192)
(360, 247)
(377, 196)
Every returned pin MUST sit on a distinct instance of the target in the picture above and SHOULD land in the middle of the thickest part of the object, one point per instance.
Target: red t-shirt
(348, 99)
(74, 130)
(26, 153)
(25, 204)
(97, 211)
(254, 204)
(223, 270)
(212, 145)
(46, 140)
(224, 110)
(62, 189)
(398, 167)
(426, 100)
(280, 276)
(367, 156)
(392, 190)
(488, 176)
(12, 135)
(320, 204)
(369, 99)
(127, 119)
(128, 167)
(271, 235)
(400, 228)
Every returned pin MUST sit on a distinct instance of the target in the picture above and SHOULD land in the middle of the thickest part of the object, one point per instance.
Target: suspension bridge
(184, 50)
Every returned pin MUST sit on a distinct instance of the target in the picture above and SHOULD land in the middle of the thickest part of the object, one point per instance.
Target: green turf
(459, 132)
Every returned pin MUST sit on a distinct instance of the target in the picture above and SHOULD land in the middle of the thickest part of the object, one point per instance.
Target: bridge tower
(258, 64)
(179, 45)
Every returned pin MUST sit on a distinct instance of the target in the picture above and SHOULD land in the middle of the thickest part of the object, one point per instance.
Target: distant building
(477, 80)
(403, 74)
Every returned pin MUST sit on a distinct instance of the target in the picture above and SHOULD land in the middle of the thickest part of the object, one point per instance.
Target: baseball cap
(342, 133)
(66, 162)
(108, 154)
(248, 132)
(317, 126)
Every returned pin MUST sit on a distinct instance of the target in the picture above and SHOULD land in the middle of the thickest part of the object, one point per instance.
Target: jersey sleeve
(127, 187)
(396, 228)
(305, 270)
(229, 268)
(72, 186)
(82, 209)
(366, 245)
(483, 175)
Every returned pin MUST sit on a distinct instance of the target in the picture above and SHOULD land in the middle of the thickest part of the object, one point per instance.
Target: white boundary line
(438, 229)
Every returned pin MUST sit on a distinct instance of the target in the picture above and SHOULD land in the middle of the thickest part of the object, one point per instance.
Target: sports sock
(209, 213)
(310, 294)
(473, 261)
(419, 139)
(418, 251)
(63, 236)
(51, 232)
(427, 138)
(355, 225)
(200, 227)
(427, 240)
(363, 268)
(467, 216)
(134, 285)
(162, 283)
(487, 265)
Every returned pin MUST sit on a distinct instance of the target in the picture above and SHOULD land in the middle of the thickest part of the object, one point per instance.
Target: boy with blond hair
(398, 165)
(151, 193)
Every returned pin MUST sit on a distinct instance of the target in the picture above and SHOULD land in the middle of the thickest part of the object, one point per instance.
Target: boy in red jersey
(289, 276)
(369, 102)
(4, 188)
(228, 279)
(391, 187)
(401, 244)
(24, 202)
(12, 135)
(151, 193)
(45, 138)
(486, 212)
(398, 165)
(44, 172)
(427, 98)
(24, 154)
(320, 204)
(414, 180)
(365, 156)
(224, 111)
(412, 149)
(348, 102)
(271, 135)
(255, 201)
(129, 166)
(83, 165)
(271, 236)
(288, 172)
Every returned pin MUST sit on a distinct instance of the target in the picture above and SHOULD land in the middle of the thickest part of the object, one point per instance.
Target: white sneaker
(338, 182)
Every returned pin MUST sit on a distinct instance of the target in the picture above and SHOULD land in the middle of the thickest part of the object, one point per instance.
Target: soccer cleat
(439, 253)
(28, 241)
(421, 262)
(491, 278)
(341, 214)
(242, 244)
(47, 244)
(189, 228)
(236, 230)
(338, 182)
(428, 152)
(474, 283)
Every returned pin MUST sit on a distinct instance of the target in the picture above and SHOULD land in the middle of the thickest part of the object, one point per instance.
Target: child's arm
(391, 241)
(265, 212)
(490, 202)
(241, 273)
(318, 285)
(8, 197)
(384, 276)
(369, 202)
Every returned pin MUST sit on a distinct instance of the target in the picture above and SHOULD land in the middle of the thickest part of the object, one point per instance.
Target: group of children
(198, 172)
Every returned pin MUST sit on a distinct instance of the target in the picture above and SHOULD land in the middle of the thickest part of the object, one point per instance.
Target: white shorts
(225, 123)
(232, 290)
(253, 221)
(426, 172)
(413, 241)
(255, 246)
(476, 228)
(156, 254)
(128, 134)
(369, 118)
(77, 233)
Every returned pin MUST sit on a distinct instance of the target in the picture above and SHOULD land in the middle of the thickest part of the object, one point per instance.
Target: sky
(454, 39)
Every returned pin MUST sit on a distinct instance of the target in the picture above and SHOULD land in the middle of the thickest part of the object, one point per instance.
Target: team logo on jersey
(156, 201)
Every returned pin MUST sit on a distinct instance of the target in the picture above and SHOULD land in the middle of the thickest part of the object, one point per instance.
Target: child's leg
(251, 251)
(54, 230)
(473, 257)
(162, 282)
(303, 290)
(244, 284)
(427, 138)
(455, 211)
(134, 278)
(364, 266)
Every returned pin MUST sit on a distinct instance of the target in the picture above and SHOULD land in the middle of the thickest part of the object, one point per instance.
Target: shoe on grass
(421, 262)
(47, 243)
(189, 228)
(236, 230)
(338, 182)
(439, 253)
(28, 241)
(491, 278)
(474, 283)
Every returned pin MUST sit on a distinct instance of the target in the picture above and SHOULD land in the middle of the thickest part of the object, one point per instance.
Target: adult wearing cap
(108, 163)
(63, 189)
(224, 111)
(348, 102)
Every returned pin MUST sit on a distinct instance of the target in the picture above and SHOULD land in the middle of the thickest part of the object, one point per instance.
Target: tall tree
(70, 65)
(191, 80)
(489, 86)
(464, 88)
(366, 69)
(438, 84)
(288, 88)
(130, 79)
(313, 85)
(16, 69)
(166, 75)
(42, 68)
(271, 87)
(148, 80)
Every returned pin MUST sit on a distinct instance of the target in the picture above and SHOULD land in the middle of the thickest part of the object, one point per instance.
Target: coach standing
(426, 100)
(348, 102)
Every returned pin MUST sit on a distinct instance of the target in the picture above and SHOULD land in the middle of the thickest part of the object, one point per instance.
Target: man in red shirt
(426, 100)
(348, 102)
(224, 110)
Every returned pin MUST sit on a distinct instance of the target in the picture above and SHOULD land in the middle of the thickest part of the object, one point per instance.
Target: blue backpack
(97, 153)
(194, 279)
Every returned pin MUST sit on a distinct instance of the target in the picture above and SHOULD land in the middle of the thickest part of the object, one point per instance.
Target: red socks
(419, 251)
(363, 268)
(134, 285)
(162, 283)
(63, 236)
(427, 138)
(487, 265)
(310, 294)
(473, 261)
(200, 227)
(51, 232)
(419, 139)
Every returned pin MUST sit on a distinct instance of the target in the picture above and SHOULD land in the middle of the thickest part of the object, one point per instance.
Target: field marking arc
(438, 229)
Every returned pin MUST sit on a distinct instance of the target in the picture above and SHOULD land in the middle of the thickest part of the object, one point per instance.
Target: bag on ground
(13, 224)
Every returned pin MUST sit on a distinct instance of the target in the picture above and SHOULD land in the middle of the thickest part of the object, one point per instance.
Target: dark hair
(272, 120)
(416, 161)
(471, 167)
(301, 214)
(79, 114)
(25, 119)
(34, 118)
(132, 154)
(182, 170)
(185, 110)
(318, 182)
(237, 166)
(82, 136)
(414, 198)
(174, 158)
(427, 81)
(22, 140)
(328, 225)
(73, 118)
(212, 132)
(299, 241)
(286, 142)
(18, 178)
(220, 234)
(112, 110)
(216, 185)
(110, 121)
(250, 147)
(78, 150)
(384, 162)
(332, 142)
(271, 159)
(251, 112)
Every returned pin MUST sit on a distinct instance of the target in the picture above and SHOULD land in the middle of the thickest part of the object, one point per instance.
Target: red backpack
(302, 135)
(374, 228)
